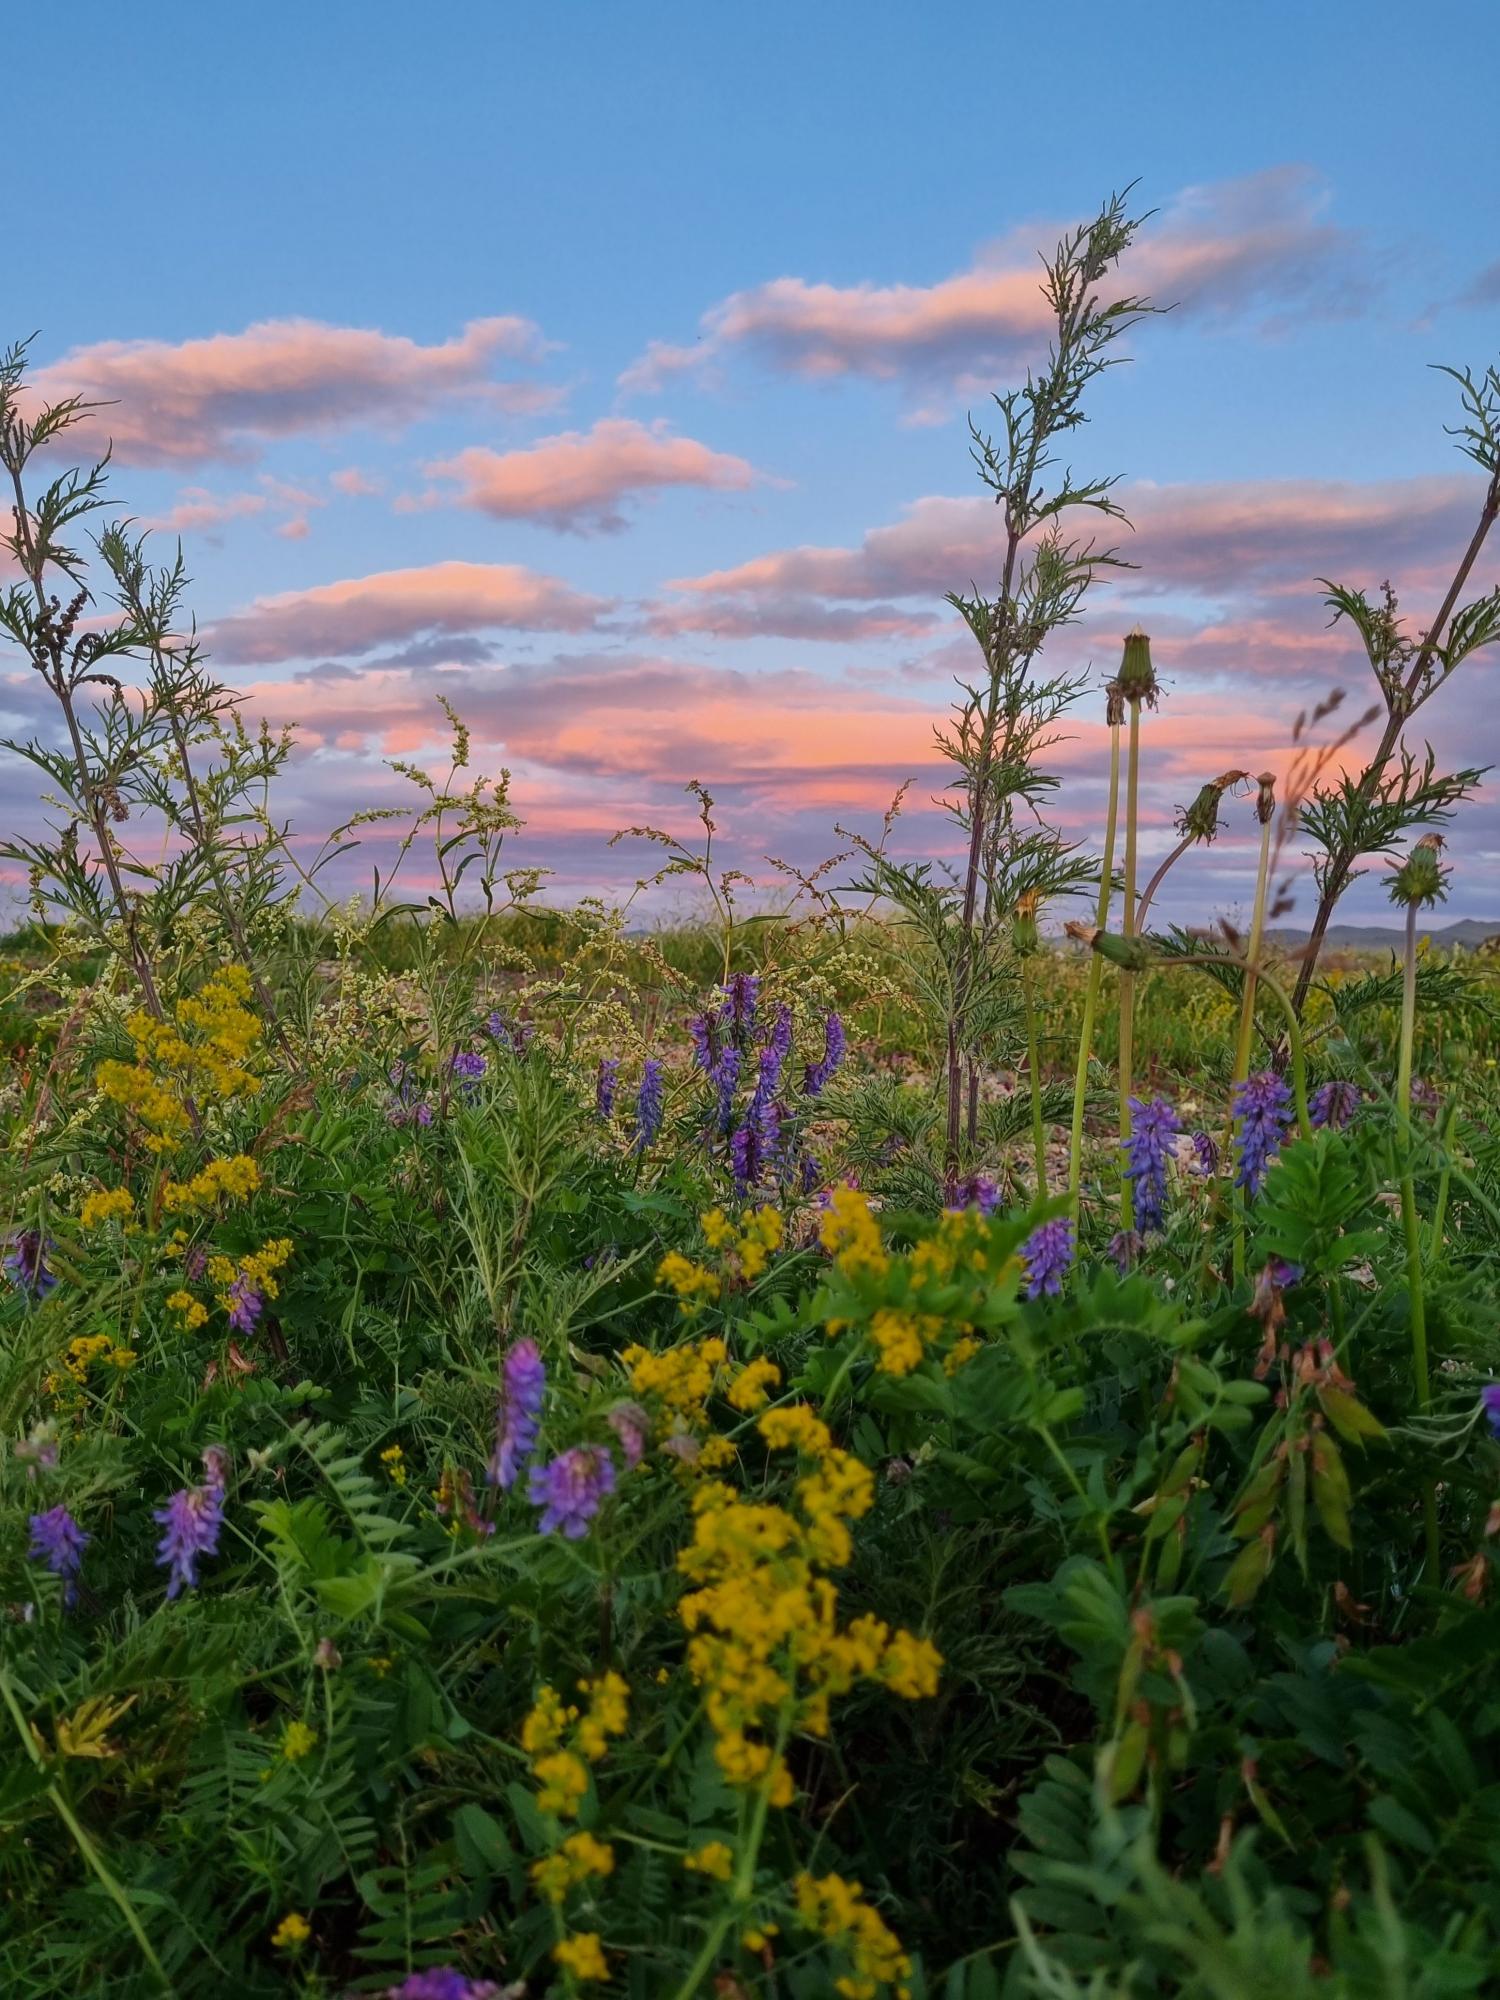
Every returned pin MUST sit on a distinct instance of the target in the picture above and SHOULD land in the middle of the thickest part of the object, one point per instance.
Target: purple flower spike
(1153, 1126)
(1489, 1402)
(523, 1384)
(781, 1035)
(1333, 1104)
(834, 1047)
(442, 1982)
(27, 1264)
(468, 1066)
(605, 1087)
(977, 1191)
(1048, 1256)
(192, 1518)
(701, 1033)
(741, 999)
(1263, 1106)
(648, 1104)
(1125, 1248)
(725, 1077)
(57, 1540)
(630, 1425)
(571, 1489)
(245, 1305)
(1205, 1155)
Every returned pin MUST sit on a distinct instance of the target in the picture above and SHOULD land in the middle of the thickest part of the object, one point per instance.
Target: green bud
(1130, 954)
(1200, 820)
(1421, 877)
(1136, 679)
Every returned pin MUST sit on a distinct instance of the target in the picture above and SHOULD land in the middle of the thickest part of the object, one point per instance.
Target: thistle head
(1421, 879)
(1200, 820)
(1265, 797)
(1136, 679)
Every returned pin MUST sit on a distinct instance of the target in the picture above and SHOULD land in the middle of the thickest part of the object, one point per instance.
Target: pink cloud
(218, 397)
(1255, 249)
(359, 614)
(579, 479)
(356, 484)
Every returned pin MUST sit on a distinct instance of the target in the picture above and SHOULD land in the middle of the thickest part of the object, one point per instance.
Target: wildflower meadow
(918, 1434)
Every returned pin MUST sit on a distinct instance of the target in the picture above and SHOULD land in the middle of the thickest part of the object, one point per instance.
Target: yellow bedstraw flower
(582, 1955)
(750, 1389)
(298, 1741)
(836, 1910)
(714, 1859)
(579, 1857)
(849, 1232)
(393, 1458)
(106, 1205)
(233, 1179)
(192, 1312)
(693, 1283)
(292, 1931)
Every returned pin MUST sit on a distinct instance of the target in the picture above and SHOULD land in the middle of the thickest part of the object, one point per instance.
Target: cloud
(1484, 290)
(1256, 250)
(350, 480)
(221, 396)
(579, 479)
(359, 614)
(1242, 545)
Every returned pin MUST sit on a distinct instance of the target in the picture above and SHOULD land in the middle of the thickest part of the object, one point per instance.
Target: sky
(606, 370)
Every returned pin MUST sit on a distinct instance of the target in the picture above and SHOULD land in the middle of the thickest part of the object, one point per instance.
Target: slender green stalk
(1409, 1224)
(742, 1889)
(1445, 1177)
(1034, 1071)
(1247, 1001)
(1127, 979)
(1096, 970)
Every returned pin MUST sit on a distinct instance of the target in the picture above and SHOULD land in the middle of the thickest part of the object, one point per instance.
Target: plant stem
(1247, 1016)
(1127, 979)
(1416, 1301)
(1096, 973)
(1034, 1070)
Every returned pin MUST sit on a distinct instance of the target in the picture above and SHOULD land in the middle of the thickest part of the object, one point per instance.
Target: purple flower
(605, 1086)
(725, 1077)
(57, 1540)
(648, 1104)
(780, 1038)
(1284, 1275)
(1205, 1155)
(27, 1264)
(753, 1149)
(516, 1035)
(442, 1982)
(977, 1191)
(741, 999)
(192, 1518)
(523, 1384)
(1048, 1256)
(1152, 1128)
(1263, 1106)
(630, 1425)
(700, 1028)
(571, 1489)
(245, 1304)
(1125, 1247)
(1333, 1104)
(468, 1066)
(834, 1046)
(1489, 1402)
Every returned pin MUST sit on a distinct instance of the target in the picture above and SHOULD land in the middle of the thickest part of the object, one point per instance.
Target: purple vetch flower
(741, 999)
(605, 1086)
(57, 1540)
(701, 1033)
(753, 1149)
(1125, 1248)
(27, 1264)
(976, 1191)
(1263, 1107)
(245, 1304)
(468, 1066)
(523, 1385)
(1333, 1104)
(834, 1047)
(809, 1172)
(1284, 1275)
(648, 1104)
(1152, 1128)
(1048, 1256)
(195, 1263)
(780, 1037)
(441, 1982)
(1205, 1155)
(1489, 1402)
(571, 1489)
(516, 1035)
(630, 1424)
(725, 1077)
(192, 1518)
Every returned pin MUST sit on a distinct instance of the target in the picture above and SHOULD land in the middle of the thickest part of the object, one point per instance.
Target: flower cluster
(836, 1910)
(57, 1540)
(563, 1740)
(767, 1647)
(1263, 1111)
(523, 1386)
(246, 1284)
(233, 1179)
(192, 1519)
(1333, 1104)
(571, 1488)
(1153, 1126)
(1048, 1256)
(202, 1054)
(83, 1353)
(26, 1265)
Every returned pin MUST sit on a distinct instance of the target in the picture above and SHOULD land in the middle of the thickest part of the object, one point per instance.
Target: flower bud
(1024, 939)
(1114, 704)
(1200, 820)
(1130, 954)
(1265, 798)
(1136, 679)
(1421, 877)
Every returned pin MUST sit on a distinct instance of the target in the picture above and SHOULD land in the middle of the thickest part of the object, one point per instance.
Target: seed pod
(1265, 799)
(1114, 704)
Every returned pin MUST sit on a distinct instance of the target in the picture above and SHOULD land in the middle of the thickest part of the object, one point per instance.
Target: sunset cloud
(579, 479)
(223, 396)
(1254, 250)
(359, 614)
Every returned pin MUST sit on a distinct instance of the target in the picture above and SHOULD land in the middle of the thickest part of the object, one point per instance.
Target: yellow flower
(292, 1931)
(393, 1458)
(692, 1283)
(562, 1781)
(836, 1910)
(796, 1426)
(233, 1179)
(192, 1312)
(749, 1389)
(582, 1956)
(106, 1205)
(714, 1859)
(298, 1741)
(579, 1857)
(849, 1231)
(606, 1716)
(897, 1337)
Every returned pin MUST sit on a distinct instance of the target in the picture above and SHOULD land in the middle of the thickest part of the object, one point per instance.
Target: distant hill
(1467, 932)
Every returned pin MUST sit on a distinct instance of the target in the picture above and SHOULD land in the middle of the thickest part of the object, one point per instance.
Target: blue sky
(611, 177)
